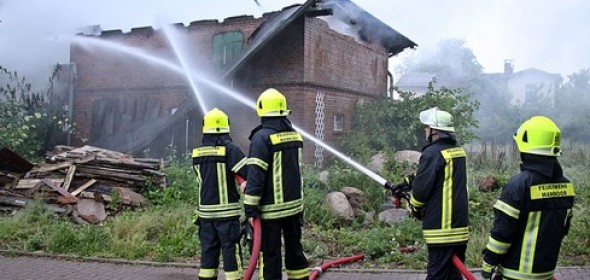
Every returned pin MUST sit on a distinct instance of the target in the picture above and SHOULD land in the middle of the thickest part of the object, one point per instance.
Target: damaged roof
(368, 28)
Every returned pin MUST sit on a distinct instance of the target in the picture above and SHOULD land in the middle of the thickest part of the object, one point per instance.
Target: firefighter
(274, 188)
(534, 211)
(439, 195)
(215, 162)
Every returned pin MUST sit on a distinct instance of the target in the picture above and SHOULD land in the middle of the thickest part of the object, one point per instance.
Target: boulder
(339, 205)
(377, 162)
(392, 216)
(91, 211)
(355, 196)
(407, 156)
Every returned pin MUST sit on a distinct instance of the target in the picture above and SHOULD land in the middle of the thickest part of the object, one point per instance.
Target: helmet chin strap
(429, 137)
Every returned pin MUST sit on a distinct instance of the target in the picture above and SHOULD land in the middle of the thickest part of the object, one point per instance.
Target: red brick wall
(340, 61)
(306, 58)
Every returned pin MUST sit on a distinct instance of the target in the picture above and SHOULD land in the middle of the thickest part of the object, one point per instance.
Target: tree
(572, 101)
(451, 59)
(393, 124)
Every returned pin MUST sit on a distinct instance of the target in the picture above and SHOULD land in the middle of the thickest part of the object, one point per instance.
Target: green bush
(29, 125)
(393, 124)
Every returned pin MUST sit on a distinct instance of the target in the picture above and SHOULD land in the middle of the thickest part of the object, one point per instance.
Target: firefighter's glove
(487, 270)
(399, 190)
(247, 234)
(416, 212)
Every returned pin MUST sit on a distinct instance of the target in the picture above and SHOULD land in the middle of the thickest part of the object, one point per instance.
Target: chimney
(508, 67)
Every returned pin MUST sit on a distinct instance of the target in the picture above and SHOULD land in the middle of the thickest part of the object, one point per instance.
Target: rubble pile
(82, 182)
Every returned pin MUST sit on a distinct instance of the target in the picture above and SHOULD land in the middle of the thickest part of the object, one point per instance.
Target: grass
(165, 232)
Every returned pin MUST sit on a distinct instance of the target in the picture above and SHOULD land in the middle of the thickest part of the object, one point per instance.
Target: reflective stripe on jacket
(274, 180)
(215, 167)
(532, 216)
(440, 190)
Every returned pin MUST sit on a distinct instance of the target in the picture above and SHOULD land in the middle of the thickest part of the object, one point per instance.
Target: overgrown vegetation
(165, 232)
(393, 124)
(29, 126)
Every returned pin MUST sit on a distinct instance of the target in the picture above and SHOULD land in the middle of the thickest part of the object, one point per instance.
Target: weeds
(164, 232)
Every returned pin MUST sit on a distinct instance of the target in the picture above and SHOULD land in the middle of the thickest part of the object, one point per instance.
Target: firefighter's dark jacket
(274, 187)
(440, 191)
(533, 215)
(215, 162)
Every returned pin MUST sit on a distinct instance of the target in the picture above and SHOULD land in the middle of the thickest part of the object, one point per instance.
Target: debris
(89, 178)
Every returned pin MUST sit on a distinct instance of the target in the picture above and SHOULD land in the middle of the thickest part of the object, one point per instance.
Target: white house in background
(417, 82)
(531, 85)
(526, 86)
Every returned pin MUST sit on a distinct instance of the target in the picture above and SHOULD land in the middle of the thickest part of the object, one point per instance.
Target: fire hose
(318, 270)
(256, 242)
(462, 269)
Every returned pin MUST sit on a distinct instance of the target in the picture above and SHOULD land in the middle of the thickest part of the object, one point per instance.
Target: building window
(227, 47)
(338, 122)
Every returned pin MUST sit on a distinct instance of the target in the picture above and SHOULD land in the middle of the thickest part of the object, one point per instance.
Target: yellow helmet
(437, 119)
(539, 135)
(215, 121)
(272, 103)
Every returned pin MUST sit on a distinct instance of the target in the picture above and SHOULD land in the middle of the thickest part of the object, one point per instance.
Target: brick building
(324, 56)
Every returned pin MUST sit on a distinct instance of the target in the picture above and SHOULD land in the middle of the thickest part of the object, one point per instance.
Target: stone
(355, 196)
(339, 205)
(392, 216)
(407, 156)
(377, 162)
(91, 211)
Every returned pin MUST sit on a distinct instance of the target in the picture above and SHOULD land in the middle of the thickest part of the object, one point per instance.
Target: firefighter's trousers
(216, 236)
(440, 262)
(296, 263)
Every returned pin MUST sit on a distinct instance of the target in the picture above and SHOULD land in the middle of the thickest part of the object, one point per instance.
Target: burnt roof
(369, 28)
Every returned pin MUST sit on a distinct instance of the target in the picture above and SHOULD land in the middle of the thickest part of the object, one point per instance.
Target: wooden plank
(21, 202)
(111, 174)
(111, 168)
(69, 177)
(125, 163)
(100, 152)
(58, 188)
(24, 184)
(46, 168)
(148, 160)
(83, 187)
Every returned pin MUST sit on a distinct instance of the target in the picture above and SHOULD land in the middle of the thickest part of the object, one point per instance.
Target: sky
(550, 35)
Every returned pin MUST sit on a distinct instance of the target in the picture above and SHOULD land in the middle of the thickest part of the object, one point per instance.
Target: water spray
(233, 94)
(171, 36)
